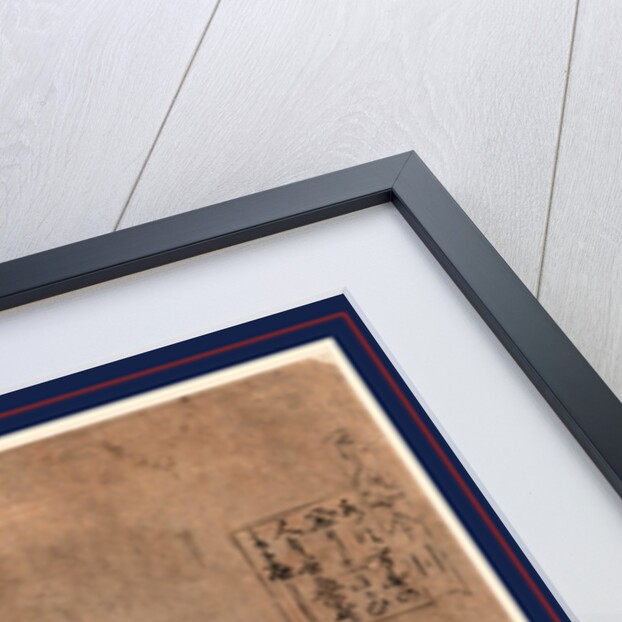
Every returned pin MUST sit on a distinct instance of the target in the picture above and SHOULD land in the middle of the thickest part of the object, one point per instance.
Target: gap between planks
(167, 114)
(547, 218)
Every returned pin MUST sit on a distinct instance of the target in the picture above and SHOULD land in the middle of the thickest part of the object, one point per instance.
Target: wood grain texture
(84, 87)
(282, 92)
(582, 275)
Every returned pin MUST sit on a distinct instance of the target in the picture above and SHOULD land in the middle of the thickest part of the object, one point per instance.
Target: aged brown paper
(275, 497)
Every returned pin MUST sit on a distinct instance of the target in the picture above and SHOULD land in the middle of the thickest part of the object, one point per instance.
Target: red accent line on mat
(452, 469)
(170, 365)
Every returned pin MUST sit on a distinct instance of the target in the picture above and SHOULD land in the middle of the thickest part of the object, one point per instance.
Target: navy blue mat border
(333, 317)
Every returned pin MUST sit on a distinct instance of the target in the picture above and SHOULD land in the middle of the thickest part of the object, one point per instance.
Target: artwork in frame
(277, 470)
(585, 404)
(93, 398)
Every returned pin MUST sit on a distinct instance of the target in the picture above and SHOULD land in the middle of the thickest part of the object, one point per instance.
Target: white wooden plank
(582, 275)
(281, 91)
(84, 87)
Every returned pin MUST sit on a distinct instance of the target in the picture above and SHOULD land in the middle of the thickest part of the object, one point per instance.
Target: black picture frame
(581, 399)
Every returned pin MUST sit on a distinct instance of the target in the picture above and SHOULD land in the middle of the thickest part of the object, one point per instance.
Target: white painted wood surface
(582, 275)
(282, 91)
(84, 87)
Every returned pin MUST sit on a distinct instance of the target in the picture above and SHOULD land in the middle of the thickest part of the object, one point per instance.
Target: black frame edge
(67, 268)
(573, 389)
